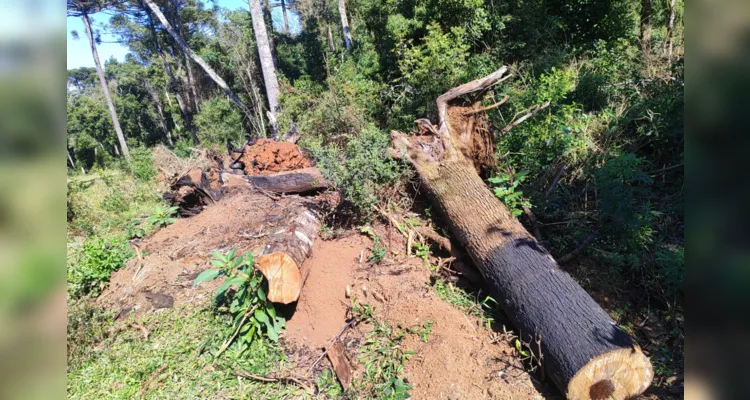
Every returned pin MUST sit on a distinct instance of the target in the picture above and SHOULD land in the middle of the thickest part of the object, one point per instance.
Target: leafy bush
(99, 258)
(254, 316)
(505, 189)
(360, 169)
(142, 160)
(182, 148)
(218, 121)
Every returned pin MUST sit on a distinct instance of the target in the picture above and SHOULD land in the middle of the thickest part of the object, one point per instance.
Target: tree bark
(195, 57)
(105, 88)
(266, 62)
(303, 180)
(670, 28)
(185, 112)
(282, 260)
(345, 24)
(191, 83)
(286, 17)
(582, 350)
(331, 44)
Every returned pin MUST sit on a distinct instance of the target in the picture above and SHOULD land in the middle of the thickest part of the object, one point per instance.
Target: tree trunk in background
(103, 82)
(266, 62)
(198, 60)
(286, 18)
(345, 24)
(581, 349)
(187, 117)
(191, 83)
(646, 26)
(331, 43)
(670, 28)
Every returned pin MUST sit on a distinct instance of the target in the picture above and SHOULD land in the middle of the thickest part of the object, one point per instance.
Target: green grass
(128, 366)
(466, 302)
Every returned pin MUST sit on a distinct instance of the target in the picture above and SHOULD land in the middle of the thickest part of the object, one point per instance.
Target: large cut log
(583, 351)
(297, 181)
(288, 246)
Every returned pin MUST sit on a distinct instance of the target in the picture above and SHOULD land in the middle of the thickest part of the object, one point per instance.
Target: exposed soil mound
(174, 256)
(459, 361)
(267, 156)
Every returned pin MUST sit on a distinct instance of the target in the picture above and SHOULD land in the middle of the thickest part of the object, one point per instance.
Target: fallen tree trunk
(582, 350)
(287, 248)
(297, 181)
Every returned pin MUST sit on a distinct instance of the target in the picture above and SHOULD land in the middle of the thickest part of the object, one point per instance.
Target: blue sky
(79, 53)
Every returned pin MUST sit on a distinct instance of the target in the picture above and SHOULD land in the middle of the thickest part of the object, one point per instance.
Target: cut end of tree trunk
(284, 277)
(618, 374)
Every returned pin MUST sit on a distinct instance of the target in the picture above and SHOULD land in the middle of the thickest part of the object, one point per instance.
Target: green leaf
(249, 259)
(207, 275)
(217, 263)
(261, 294)
(261, 316)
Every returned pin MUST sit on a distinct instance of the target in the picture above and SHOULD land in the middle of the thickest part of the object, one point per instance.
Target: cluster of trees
(603, 160)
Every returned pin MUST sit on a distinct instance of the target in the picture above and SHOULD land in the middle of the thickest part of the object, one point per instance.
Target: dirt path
(459, 361)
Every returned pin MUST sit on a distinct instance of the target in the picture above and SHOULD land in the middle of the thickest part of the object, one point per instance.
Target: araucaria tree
(197, 59)
(83, 8)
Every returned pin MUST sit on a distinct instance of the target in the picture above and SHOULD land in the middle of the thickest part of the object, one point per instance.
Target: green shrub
(218, 121)
(142, 160)
(182, 148)
(360, 169)
(98, 259)
(255, 316)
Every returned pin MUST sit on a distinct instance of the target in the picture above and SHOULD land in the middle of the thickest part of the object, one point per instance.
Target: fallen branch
(282, 379)
(528, 115)
(150, 379)
(498, 104)
(341, 332)
(667, 169)
(229, 341)
(556, 179)
(566, 258)
(430, 233)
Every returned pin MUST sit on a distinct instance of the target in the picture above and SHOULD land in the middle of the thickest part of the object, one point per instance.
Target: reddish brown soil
(174, 256)
(267, 156)
(461, 359)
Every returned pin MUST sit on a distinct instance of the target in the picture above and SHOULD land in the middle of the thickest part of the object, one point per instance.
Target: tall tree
(286, 18)
(196, 58)
(185, 113)
(670, 28)
(345, 24)
(266, 62)
(82, 8)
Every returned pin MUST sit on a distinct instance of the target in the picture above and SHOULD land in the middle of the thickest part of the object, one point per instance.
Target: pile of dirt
(170, 260)
(268, 156)
(461, 360)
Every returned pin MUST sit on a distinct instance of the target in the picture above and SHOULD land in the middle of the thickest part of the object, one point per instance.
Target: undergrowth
(126, 365)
